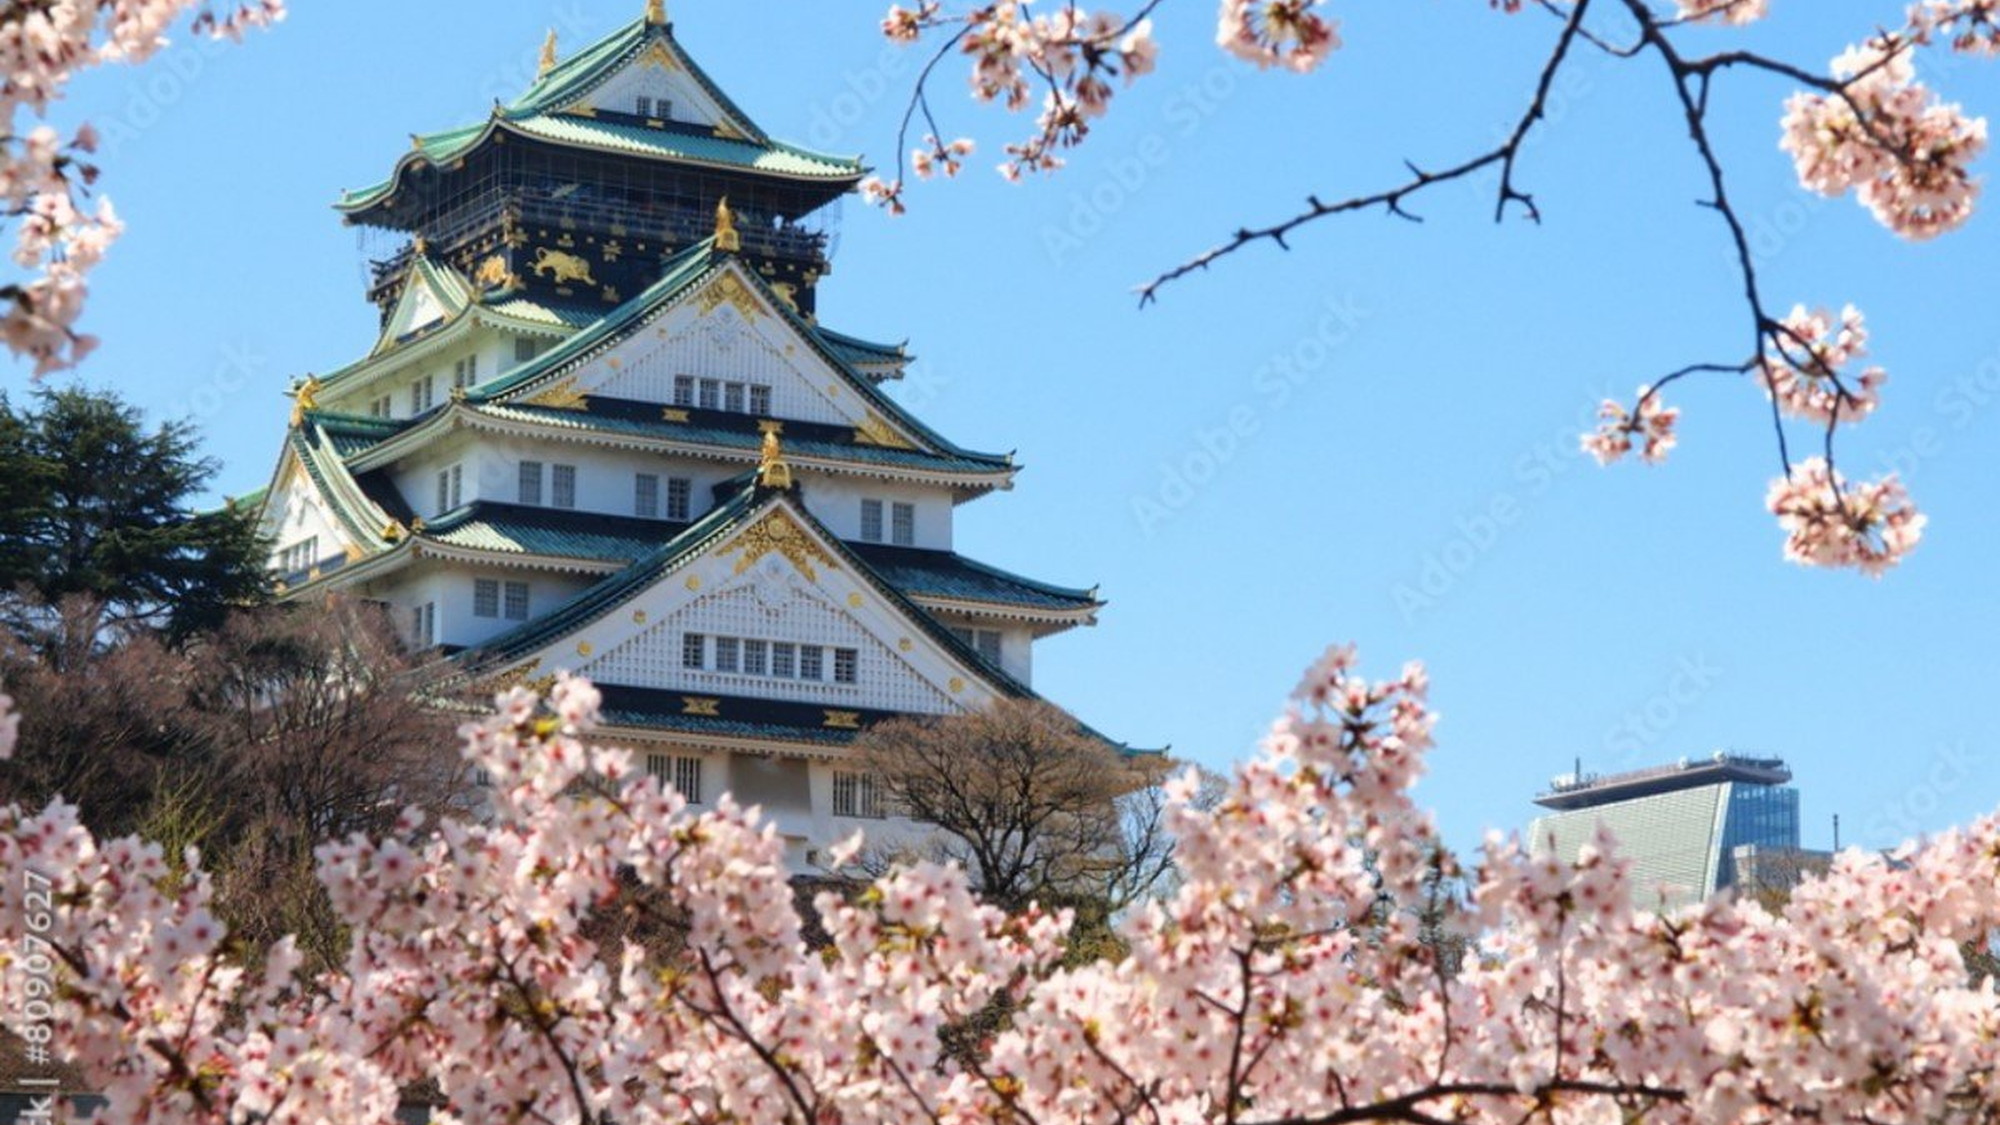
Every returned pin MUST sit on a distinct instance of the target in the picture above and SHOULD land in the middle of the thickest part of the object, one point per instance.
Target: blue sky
(1370, 439)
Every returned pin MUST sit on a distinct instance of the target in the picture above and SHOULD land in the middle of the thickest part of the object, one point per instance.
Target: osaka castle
(603, 430)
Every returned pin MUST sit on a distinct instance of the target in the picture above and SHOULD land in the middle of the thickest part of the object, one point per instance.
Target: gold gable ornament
(772, 469)
(727, 239)
(656, 12)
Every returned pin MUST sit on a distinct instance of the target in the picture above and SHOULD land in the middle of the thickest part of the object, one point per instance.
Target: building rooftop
(1583, 791)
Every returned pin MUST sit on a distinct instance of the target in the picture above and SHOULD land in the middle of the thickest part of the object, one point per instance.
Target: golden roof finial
(656, 12)
(726, 237)
(772, 470)
(548, 54)
(305, 397)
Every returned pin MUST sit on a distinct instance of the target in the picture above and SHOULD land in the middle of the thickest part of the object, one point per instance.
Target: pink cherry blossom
(1806, 367)
(1652, 421)
(1829, 521)
(1287, 33)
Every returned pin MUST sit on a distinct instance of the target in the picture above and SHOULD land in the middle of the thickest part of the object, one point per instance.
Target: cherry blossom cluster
(1803, 368)
(1723, 11)
(1883, 135)
(1285, 33)
(45, 177)
(1300, 971)
(1830, 521)
(1071, 57)
(1970, 26)
(1651, 422)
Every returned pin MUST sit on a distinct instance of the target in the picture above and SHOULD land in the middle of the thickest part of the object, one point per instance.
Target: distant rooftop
(1583, 791)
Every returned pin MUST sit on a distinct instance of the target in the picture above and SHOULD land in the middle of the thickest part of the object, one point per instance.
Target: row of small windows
(859, 795)
(494, 598)
(660, 109)
(722, 394)
(683, 774)
(902, 523)
(778, 660)
(450, 488)
(299, 556)
(561, 481)
(646, 496)
(464, 373)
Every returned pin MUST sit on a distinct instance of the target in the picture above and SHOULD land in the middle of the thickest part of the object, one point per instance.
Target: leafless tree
(1034, 805)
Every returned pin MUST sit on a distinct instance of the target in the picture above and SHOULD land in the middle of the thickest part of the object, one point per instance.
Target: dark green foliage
(94, 517)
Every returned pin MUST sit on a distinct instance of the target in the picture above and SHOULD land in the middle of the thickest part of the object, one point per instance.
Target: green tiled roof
(349, 434)
(683, 272)
(859, 352)
(716, 428)
(538, 114)
(541, 310)
(945, 574)
(515, 529)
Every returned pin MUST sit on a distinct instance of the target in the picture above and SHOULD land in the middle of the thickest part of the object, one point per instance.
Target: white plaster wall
(836, 502)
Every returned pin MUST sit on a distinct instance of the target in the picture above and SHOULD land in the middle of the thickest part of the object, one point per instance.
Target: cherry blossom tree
(1863, 125)
(1293, 977)
(46, 179)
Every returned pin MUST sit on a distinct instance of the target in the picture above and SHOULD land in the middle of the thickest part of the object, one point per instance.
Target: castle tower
(602, 430)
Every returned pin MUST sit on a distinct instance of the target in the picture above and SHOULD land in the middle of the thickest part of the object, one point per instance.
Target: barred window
(426, 632)
(846, 665)
(644, 105)
(871, 521)
(694, 651)
(525, 349)
(451, 488)
(562, 486)
(755, 658)
(486, 597)
(784, 660)
(683, 774)
(732, 397)
(517, 601)
(711, 394)
(858, 795)
(531, 482)
(727, 654)
(683, 390)
(680, 498)
(988, 644)
(646, 495)
(760, 399)
(903, 528)
(812, 662)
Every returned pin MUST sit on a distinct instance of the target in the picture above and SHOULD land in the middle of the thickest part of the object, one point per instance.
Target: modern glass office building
(1681, 824)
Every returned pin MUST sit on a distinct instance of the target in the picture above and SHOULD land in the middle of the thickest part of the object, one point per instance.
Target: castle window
(812, 662)
(732, 397)
(450, 488)
(465, 372)
(986, 642)
(424, 618)
(756, 658)
(680, 493)
(784, 660)
(727, 654)
(517, 601)
(694, 651)
(525, 349)
(711, 394)
(423, 393)
(485, 597)
(562, 486)
(531, 482)
(381, 407)
(903, 525)
(760, 399)
(858, 795)
(644, 106)
(683, 390)
(684, 774)
(846, 665)
(646, 495)
(871, 521)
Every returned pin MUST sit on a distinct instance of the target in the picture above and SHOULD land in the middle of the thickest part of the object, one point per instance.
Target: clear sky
(1371, 439)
